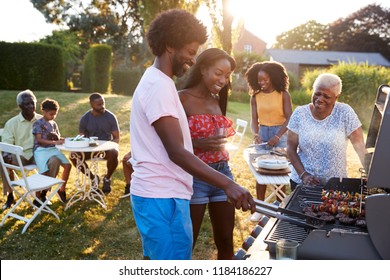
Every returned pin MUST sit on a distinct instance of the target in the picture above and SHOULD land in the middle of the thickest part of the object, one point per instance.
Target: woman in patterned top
(319, 132)
(200, 99)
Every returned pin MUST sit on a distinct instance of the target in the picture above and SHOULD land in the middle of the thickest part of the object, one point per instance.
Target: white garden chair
(25, 187)
(236, 140)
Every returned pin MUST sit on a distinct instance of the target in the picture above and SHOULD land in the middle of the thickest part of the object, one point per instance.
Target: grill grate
(286, 230)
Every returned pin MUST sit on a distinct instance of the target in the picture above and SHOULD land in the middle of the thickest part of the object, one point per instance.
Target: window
(248, 48)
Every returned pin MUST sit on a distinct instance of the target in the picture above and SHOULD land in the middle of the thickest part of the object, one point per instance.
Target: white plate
(272, 163)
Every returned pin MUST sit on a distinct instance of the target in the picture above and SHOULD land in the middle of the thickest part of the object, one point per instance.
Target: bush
(31, 65)
(125, 81)
(300, 97)
(97, 69)
(239, 96)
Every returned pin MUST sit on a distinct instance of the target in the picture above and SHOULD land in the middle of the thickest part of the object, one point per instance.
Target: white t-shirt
(322, 144)
(155, 175)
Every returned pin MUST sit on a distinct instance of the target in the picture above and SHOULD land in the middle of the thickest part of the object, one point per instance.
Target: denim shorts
(204, 192)
(267, 132)
(165, 227)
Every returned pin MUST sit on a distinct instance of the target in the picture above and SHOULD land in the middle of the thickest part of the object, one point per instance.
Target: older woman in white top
(318, 135)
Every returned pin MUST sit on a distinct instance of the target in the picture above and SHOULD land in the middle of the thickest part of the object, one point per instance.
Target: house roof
(326, 57)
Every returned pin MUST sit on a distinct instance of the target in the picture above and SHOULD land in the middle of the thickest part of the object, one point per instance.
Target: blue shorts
(165, 227)
(42, 155)
(267, 132)
(205, 193)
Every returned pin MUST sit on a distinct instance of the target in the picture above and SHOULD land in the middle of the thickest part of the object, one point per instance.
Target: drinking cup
(286, 249)
(221, 131)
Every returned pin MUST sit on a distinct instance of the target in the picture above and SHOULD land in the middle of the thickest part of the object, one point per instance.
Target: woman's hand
(256, 139)
(273, 141)
(311, 180)
(211, 143)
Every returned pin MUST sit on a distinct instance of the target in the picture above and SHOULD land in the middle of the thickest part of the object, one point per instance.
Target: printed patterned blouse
(322, 145)
(44, 128)
(202, 126)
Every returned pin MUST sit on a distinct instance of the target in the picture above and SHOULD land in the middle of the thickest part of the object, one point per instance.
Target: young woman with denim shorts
(270, 106)
(201, 102)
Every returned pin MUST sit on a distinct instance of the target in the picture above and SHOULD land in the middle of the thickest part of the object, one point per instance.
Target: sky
(20, 22)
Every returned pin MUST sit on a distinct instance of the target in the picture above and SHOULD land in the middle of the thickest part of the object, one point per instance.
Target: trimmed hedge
(31, 65)
(97, 69)
(125, 81)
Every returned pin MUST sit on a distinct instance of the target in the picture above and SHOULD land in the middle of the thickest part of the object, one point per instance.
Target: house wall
(247, 38)
(292, 68)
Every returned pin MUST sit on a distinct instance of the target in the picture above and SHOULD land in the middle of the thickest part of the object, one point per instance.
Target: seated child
(46, 136)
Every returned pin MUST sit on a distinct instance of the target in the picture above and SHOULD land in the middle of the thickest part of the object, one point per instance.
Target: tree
(120, 23)
(117, 23)
(222, 20)
(309, 36)
(150, 8)
(367, 30)
(70, 45)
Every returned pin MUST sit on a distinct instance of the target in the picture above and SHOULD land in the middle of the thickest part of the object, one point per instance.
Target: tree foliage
(120, 23)
(222, 20)
(367, 30)
(308, 36)
(150, 8)
(70, 45)
(96, 21)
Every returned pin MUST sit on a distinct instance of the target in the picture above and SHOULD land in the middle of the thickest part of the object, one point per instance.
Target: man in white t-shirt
(162, 154)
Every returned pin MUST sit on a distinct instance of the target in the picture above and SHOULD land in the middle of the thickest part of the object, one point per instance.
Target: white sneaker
(256, 217)
(127, 192)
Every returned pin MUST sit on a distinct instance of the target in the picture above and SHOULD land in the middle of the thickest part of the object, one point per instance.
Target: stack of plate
(273, 164)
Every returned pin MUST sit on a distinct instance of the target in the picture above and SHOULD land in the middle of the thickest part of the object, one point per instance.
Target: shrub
(300, 97)
(239, 96)
(97, 69)
(125, 81)
(31, 65)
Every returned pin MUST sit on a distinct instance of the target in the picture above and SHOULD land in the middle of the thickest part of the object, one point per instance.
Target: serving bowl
(78, 143)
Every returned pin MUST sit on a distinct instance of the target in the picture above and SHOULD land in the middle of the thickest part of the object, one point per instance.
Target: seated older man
(18, 131)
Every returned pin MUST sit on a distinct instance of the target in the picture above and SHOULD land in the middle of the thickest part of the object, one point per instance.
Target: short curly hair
(49, 105)
(276, 71)
(174, 28)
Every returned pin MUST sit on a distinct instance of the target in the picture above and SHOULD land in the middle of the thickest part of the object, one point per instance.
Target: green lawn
(87, 231)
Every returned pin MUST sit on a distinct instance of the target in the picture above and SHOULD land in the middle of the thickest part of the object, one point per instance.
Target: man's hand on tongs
(240, 197)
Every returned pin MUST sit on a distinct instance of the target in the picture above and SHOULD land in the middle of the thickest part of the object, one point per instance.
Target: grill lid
(378, 222)
(378, 138)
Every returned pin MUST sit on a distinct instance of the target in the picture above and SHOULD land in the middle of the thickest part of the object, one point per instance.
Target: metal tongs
(277, 212)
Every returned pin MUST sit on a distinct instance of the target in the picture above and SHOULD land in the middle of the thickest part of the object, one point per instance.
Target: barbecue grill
(337, 240)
